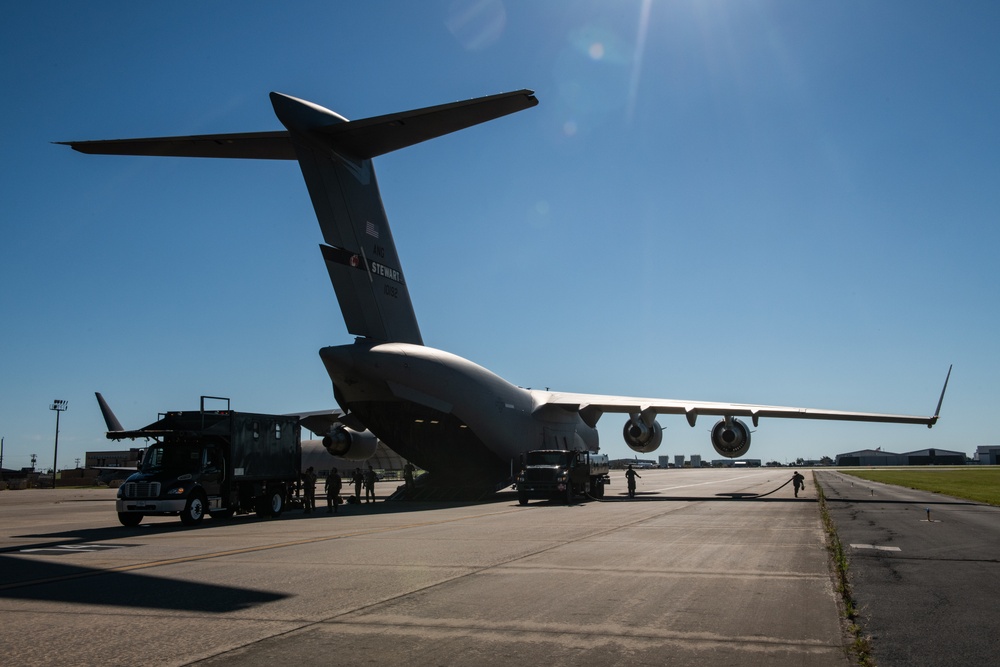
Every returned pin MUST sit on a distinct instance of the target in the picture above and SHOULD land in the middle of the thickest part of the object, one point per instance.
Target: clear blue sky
(770, 202)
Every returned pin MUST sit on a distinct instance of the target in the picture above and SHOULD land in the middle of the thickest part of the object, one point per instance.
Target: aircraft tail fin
(109, 416)
(335, 157)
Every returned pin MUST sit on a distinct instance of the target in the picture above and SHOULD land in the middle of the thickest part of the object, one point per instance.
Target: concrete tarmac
(923, 569)
(690, 573)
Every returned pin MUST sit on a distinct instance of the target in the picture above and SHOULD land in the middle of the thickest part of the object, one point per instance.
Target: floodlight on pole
(57, 405)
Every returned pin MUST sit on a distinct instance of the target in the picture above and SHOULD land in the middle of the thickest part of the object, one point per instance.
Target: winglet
(109, 416)
(937, 412)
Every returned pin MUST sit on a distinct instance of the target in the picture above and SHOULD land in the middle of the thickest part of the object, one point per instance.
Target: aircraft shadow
(48, 581)
(173, 525)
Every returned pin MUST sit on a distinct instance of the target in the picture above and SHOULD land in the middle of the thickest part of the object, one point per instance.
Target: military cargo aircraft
(462, 423)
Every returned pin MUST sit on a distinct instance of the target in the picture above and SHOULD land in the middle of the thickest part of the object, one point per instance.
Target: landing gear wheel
(194, 511)
(130, 519)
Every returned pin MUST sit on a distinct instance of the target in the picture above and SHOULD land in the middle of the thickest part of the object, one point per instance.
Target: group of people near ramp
(333, 486)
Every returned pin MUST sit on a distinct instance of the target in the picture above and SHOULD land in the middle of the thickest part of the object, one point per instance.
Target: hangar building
(987, 455)
(922, 457)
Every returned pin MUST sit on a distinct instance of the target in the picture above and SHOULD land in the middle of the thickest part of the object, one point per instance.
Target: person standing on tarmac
(798, 483)
(370, 478)
(334, 483)
(630, 476)
(408, 476)
(358, 478)
(309, 489)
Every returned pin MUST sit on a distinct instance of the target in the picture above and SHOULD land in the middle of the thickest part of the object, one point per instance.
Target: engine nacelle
(641, 438)
(731, 437)
(349, 444)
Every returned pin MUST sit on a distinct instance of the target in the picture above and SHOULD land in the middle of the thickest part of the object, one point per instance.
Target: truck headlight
(176, 491)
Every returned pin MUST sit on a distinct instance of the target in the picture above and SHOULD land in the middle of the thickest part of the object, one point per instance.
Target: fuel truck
(559, 474)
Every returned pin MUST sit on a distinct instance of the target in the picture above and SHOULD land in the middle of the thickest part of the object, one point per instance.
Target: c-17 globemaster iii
(462, 423)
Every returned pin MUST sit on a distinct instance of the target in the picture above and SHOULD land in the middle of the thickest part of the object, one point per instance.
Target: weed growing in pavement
(861, 643)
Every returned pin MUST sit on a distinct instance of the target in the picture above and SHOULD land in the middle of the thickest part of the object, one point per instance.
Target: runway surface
(924, 568)
(687, 574)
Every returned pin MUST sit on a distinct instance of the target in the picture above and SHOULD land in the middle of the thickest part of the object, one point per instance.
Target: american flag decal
(371, 229)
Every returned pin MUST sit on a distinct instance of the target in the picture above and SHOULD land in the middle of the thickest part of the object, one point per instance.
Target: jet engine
(640, 437)
(731, 437)
(349, 444)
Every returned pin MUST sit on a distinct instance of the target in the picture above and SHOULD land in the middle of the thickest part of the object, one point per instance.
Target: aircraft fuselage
(444, 412)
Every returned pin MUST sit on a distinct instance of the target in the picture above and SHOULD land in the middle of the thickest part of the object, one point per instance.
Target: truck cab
(558, 474)
(183, 478)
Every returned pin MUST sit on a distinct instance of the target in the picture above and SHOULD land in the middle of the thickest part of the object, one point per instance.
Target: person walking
(309, 489)
(630, 476)
(798, 482)
(334, 483)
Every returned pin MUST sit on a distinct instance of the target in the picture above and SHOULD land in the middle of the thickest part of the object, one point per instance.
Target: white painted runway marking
(72, 548)
(874, 546)
(684, 486)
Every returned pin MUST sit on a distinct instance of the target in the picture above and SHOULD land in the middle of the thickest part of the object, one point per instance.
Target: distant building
(922, 457)
(935, 457)
(696, 460)
(635, 462)
(128, 458)
(736, 463)
(987, 455)
(679, 460)
(664, 461)
(870, 457)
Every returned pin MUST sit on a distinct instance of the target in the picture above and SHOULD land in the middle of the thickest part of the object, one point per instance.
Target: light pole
(58, 406)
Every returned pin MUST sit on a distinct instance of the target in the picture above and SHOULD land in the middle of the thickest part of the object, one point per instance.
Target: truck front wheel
(194, 510)
(130, 519)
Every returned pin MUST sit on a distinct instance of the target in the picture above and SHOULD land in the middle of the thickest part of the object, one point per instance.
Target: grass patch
(980, 484)
(861, 645)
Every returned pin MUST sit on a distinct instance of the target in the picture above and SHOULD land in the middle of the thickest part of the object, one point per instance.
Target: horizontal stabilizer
(371, 137)
(365, 138)
(246, 145)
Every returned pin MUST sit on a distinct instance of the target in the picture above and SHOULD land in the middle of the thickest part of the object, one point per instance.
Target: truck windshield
(178, 459)
(546, 458)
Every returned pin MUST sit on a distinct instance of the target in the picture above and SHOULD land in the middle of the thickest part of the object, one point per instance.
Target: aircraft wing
(592, 406)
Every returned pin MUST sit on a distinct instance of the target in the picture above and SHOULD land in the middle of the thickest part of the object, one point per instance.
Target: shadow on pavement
(47, 581)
